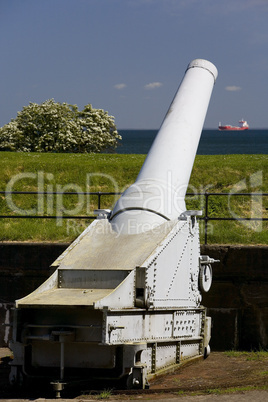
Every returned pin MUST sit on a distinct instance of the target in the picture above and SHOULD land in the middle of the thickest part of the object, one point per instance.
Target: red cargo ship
(243, 125)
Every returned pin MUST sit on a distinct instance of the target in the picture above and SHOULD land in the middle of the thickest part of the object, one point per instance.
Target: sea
(212, 142)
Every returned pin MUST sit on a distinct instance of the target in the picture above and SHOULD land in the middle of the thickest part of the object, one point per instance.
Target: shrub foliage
(59, 127)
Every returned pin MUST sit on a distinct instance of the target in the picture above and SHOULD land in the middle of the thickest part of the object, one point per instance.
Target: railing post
(99, 200)
(206, 217)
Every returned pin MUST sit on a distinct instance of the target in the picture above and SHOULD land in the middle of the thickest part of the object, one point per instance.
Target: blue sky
(128, 56)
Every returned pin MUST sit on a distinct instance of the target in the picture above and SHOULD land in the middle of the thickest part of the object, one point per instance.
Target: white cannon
(125, 298)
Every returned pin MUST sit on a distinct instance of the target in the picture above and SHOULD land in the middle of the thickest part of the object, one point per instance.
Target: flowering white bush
(59, 127)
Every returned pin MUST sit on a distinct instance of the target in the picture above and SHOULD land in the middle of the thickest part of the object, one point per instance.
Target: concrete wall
(237, 300)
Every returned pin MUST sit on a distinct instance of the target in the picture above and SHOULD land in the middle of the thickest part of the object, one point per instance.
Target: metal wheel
(206, 351)
(205, 277)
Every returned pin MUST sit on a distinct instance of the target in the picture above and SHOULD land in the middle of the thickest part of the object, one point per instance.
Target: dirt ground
(219, 371)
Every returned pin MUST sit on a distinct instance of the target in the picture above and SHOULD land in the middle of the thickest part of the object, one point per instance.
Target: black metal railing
(99, 194)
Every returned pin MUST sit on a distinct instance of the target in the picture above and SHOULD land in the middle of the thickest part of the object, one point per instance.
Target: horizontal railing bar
(59, 192)
(95, 216)
(48, 216)
(117, 193)
(216, 194)
(207, 218)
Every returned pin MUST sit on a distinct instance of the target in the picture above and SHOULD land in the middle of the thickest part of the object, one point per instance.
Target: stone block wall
(238, 298)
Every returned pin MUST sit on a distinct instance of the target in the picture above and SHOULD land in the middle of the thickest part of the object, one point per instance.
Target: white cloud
(233, 88)
(120, 86)
(153, 85)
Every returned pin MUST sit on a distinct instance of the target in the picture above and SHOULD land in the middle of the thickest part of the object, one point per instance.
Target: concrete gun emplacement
(124, 301)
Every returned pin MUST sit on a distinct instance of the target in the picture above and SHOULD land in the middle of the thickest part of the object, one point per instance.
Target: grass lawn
(113, 173)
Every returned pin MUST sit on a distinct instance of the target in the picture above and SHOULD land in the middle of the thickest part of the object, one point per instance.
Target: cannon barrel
(158, 193)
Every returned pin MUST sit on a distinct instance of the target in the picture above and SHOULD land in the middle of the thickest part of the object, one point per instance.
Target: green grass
(233, 390)
(105, 394)
(114, 173)
(252, 355)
